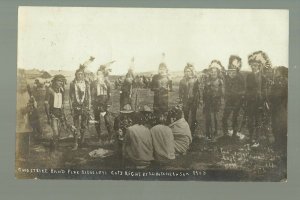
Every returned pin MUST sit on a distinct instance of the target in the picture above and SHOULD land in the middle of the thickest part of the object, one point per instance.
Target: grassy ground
(224, 154)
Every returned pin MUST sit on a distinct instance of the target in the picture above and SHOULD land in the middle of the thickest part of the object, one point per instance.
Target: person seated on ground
(137, 145)
(180, 129)
(162, 140)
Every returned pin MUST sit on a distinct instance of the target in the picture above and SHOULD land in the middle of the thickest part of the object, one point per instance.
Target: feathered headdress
(260, 57)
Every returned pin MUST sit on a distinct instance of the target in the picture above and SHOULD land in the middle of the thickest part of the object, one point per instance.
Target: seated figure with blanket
(137, 148)
(162, 140)
(180, 129)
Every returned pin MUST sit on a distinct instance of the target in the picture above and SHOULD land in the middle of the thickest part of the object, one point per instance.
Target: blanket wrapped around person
(163, 143)
(138, 145)
(138, 148)
(182, 135)
(180, 129)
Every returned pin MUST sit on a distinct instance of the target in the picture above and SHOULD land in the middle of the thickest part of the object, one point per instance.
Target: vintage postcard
(152, 94)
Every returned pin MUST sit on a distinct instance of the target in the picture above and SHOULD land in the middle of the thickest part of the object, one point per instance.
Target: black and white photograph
(168, 94)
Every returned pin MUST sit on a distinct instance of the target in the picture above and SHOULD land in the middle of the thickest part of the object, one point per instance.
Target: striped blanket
(182, 135)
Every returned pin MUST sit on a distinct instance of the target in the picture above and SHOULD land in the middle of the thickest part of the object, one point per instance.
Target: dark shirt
(234, 88)
(187, 89)
(256, 88)
(126, 88)
(279, 95)
(161, 84)
(212, 90)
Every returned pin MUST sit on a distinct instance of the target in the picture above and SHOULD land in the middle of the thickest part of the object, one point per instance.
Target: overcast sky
(62, 38)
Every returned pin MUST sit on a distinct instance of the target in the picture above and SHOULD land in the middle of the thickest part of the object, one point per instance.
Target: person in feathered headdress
(54, 106)
(256, 94)
(234, 93)
(212, 95)
(101, 100)
(126, 92)
(80, 103)
(188, 95)
(161, 85)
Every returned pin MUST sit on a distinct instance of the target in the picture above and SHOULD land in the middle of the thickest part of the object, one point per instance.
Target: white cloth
(57, 100)
(100, 153)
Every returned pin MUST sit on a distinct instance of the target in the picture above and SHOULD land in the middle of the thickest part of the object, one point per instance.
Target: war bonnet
(260, 57)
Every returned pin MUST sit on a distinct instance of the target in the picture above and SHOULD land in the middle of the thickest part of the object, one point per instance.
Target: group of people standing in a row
(163, 131)
(84, 97)
(261, 94)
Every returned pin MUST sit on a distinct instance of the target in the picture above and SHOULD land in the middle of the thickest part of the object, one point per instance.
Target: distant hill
(33, 74)
(62, 72)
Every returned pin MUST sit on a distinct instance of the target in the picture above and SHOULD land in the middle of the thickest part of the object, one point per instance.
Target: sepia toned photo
(152, 94)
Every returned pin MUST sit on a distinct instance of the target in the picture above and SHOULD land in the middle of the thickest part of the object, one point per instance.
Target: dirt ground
(223, 154)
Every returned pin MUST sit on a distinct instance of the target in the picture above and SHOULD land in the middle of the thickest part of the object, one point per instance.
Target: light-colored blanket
(182, 135)
(138, 144)
(163, 143)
